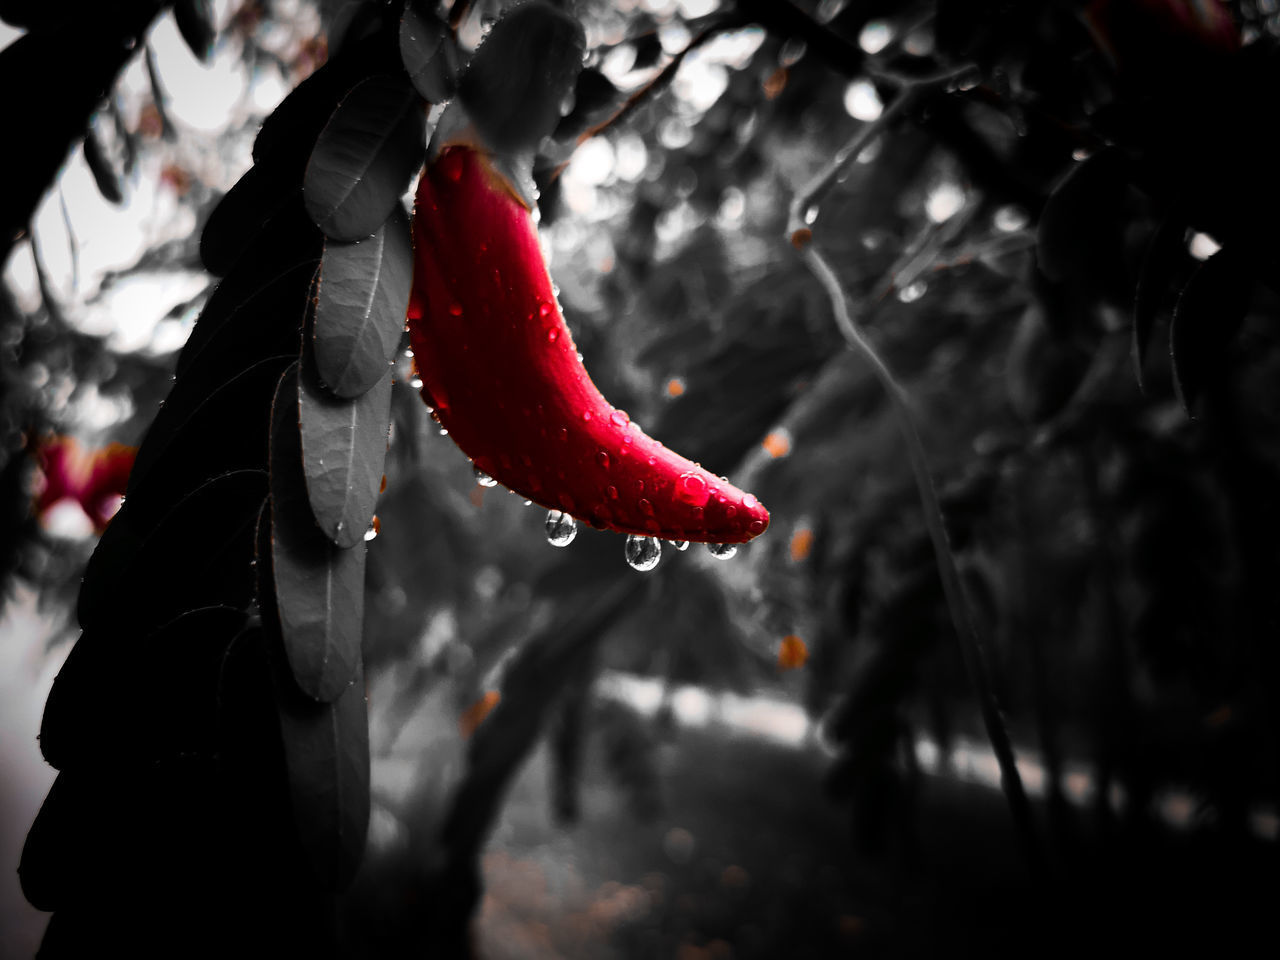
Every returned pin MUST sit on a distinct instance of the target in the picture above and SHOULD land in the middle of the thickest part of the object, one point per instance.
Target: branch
(952, 586)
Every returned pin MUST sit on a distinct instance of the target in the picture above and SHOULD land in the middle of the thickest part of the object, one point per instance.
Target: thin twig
(911, 91)
(952, 586)
(660, 82)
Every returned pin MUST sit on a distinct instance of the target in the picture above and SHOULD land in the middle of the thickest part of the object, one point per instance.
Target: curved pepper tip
(501, 370)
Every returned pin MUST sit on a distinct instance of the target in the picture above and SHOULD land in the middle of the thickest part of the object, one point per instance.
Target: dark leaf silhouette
(104, 174)
(196, 556)
(520, 75)
(195, 23)
(105, 700)
(326, 749)
(1210, 310)
(428, 52)
(287, 240)
(204, 430)
(288, 136)
(360, 309)
(1079, 233)
(364, 157)
(319, 587)
(257, 197)
(268, 322)
(1160, 264)
(344, 446)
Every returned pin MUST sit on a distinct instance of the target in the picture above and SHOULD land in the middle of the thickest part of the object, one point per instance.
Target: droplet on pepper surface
(692, 489)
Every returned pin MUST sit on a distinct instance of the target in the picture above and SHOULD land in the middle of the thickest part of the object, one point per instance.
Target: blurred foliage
(1118, 542)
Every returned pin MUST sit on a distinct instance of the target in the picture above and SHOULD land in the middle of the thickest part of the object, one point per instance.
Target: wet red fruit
(500, 368)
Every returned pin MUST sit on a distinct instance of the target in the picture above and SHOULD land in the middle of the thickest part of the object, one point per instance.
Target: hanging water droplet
(374, 529)
(642, 553)
(416, 383)
(722, 551)
(483, 478)
(443, 431)
(528, 503)
(681, 545)
(408, 353)
(561, 528)
(578, 354)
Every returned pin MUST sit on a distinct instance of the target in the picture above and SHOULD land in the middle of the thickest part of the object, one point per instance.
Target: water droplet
(408, 353)
(455, 309)
(561, 528)
(564, 433)
(443, 431)
(586, 416)
(750, 502)
(755, 527)
(578, 354)
(912, 292)
(483, 478)
(681, 545)
(602, 458)
(642, 553)
(612, 492)
(552, 335)
(497, 277)
(416, 383)
(646, 507)
(374, 529)
(730, 512)
(691, 489)
(544, 309)
(722, 551)
(619, 417)
(528, 503)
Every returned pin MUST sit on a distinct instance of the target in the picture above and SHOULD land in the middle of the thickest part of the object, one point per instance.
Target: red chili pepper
(501, 370)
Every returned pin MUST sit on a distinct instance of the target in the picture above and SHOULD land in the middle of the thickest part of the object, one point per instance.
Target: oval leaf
(362, 162)
(204, 429)
(243, 210)
(287, 240)
(104, 173)
(326, 751)
(104, 702)
(289, 134)
(1210, 310)
(360, 307)
(520, 75)
(428, 52)
(195, 23)
(344, 446)
(198, 555)
(319, 587)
